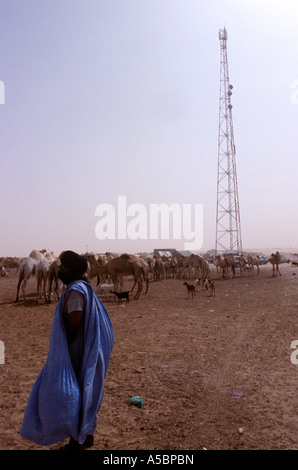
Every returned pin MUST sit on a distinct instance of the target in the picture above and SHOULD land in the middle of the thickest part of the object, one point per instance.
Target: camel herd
(44, 264)
(110, 270)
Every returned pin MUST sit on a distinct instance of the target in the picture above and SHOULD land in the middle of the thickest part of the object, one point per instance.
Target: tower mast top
(223, 34)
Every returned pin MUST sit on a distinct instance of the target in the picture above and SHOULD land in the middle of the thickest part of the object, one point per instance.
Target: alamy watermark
(158, 221)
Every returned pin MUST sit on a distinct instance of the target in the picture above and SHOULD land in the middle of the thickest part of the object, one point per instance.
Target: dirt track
(188, 359)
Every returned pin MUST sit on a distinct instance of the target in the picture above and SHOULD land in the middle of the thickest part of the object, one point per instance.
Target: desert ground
(214, 373)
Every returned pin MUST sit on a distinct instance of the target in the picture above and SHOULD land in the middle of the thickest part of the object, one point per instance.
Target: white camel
(28, 268)
(42, 274)
(37, 263)
(53, 278)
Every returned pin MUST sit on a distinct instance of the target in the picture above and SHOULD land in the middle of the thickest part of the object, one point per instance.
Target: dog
(211, 286)
(121, 296)
(190, 289)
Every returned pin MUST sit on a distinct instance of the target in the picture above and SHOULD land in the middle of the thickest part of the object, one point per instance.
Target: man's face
(65, 274)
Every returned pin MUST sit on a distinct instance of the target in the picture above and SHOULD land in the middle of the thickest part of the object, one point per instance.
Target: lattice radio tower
(228, 232)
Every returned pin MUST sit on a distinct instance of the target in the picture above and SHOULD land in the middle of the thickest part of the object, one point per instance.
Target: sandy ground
(213, 372)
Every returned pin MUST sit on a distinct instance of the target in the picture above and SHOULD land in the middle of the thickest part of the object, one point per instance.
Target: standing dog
(122, 295)
(190, 289)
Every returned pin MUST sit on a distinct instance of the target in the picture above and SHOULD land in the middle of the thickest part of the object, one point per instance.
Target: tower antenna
(228, 231)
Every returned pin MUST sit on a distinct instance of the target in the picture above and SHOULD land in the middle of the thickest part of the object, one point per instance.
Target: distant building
(170, 253)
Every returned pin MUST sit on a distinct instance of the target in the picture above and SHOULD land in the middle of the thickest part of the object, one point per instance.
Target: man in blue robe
(68, 392)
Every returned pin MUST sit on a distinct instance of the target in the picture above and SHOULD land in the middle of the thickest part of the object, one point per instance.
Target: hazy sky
(109, 98)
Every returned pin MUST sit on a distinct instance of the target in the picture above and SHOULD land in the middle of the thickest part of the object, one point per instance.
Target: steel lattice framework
(228, 231)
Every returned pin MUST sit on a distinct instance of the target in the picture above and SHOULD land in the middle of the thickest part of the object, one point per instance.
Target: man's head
(72, 267)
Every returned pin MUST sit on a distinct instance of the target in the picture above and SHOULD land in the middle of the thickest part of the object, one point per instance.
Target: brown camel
(231, 263)
(145, 270)
(220, 263)
(200, 265)
(253, 261)
(159, 270)
(173, 266)
(275, 261)
(93, 262)
(225, 262)
(124, 265)
(242, 263)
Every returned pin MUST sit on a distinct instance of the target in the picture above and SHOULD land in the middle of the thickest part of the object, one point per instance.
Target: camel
(167, 267)
(127, 265)
(37, 263)
(145, 269)
(28, 268)
(170, 266)
(199, 265)
(231, 263)
(253, 261)
(205, 269)
(275, 261)
(224, 262)
(173, 266)
(242, 263)
(49, 256)
(220, 263)
(124, 265)
(216, 263)
(93, 262)
(53, 277)
(42, 273)
(150, 262)
(96, 268)
(179, 268)
(159, 270)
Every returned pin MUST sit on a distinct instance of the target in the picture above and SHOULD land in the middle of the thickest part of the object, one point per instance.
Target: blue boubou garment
(58, 407)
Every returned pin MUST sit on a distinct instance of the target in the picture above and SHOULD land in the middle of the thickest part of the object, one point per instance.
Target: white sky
(108, 98)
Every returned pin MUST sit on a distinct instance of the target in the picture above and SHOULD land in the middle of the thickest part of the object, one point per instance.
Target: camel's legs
(140, 286)
(24, 288)
(18, 288)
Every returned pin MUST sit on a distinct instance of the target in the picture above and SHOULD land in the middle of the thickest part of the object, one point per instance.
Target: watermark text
(159, 221)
